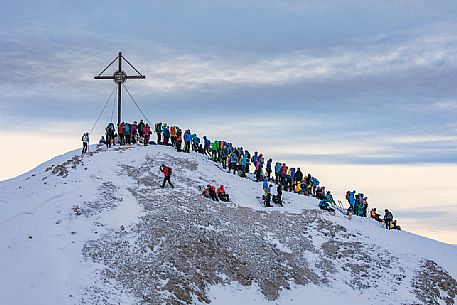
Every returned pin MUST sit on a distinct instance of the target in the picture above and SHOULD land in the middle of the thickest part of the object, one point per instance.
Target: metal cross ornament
(120, 77)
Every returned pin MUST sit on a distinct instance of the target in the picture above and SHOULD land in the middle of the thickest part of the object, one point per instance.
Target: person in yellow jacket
(298, 188)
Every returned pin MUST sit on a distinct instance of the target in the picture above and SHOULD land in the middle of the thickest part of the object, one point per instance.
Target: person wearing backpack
(388, 217)
(158, 130)
(85, 139)
(167, 171)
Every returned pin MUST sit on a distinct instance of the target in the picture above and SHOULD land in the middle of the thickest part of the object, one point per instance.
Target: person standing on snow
(233, 160)
(268, 168)
(158, 130)
(146, 133)
(85, 139)
(187, 140)
(388, 217)
(167, 174)
(178, 139)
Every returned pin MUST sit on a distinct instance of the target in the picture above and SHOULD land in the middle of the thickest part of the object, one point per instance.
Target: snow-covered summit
(98, 229)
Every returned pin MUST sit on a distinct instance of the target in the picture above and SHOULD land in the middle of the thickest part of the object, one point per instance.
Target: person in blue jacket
(265, 183)
(277, 172)
(244, 159)
(187, 140)
(315, 184)
(166, 134)
(233, 161)
(323, 204)
(207, 145)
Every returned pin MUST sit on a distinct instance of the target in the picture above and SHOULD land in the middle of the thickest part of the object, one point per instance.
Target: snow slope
(98, 229)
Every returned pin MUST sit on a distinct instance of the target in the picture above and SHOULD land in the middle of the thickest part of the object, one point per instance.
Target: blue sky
(344, 82)
(346, 71)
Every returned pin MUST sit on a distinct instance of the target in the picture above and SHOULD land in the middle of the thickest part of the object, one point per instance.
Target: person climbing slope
(166, 173)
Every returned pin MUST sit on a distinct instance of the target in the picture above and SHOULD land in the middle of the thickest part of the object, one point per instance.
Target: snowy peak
(98, 229)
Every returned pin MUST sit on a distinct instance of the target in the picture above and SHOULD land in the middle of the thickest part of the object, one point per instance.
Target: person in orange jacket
(221, 194)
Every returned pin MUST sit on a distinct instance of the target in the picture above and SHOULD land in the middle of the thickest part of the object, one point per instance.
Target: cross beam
(119, 78)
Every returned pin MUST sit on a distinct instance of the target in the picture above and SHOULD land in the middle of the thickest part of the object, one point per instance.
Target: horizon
(358, 92)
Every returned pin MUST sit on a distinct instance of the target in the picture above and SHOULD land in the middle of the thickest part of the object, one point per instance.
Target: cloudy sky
(360, 85)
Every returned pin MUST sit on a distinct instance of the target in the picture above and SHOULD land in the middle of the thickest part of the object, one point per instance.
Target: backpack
(169, 171)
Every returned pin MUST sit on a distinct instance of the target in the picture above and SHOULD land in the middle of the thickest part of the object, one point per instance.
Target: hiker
(107, 138)
(365, 207)
(121, 133)
(215, 147)
(173, 135)
(187, 140)
(298, 189)
(166, 173)
(178, 140)
(140, 129)
(146, 133)
(158, 130)
(265, 184)
(277, 172)
(298, 175)
(134, 132)
(210, 192)
(259, 168)
(375, 215)
(206, 148)
(268, 168)
(283, 175)
(278, 198)
(323, 204)
(222, 195)
(243, 165)
(232, 159)
(248, 161)
(224, 156)
(85, 139)
(267, 196)
(101, 142)
(166, 134)
(394, 226)
(315, 183)
(388, 217)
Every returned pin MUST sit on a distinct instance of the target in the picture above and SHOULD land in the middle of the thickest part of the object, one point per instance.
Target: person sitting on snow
(210, 192)
(323, 204)
(394, 226)
(267, 196)
(375, 215)
(222, 195)
(278, 198)
(329, 197)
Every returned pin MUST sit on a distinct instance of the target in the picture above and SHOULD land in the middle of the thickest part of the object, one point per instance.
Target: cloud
(446, 105)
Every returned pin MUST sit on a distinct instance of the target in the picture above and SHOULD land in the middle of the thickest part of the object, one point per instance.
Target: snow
(41, 237)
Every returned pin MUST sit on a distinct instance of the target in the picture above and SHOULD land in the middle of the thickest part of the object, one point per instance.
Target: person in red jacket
(167, 174)
(121, 133)
(221, 194)
(146, 133)
(210, 192)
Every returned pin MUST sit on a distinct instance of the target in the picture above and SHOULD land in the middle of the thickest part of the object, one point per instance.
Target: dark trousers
(84, 147)
(178, 146)
(167, 178)
(159, 137)
(387, 223)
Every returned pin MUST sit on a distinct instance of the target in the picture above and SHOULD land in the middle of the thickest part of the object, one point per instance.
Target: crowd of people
(238, 160)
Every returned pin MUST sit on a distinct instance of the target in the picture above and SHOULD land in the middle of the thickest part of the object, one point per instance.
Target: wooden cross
(120, 77)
